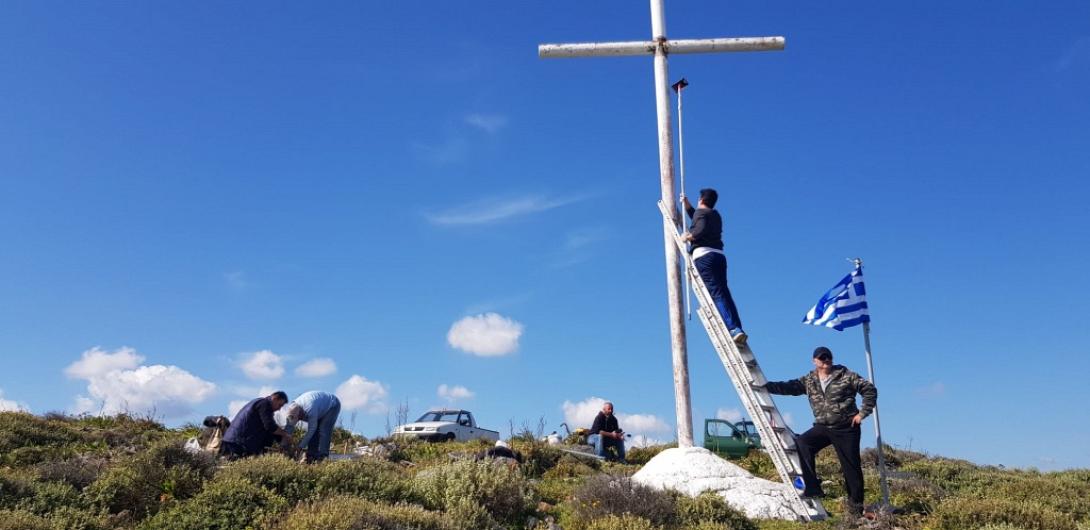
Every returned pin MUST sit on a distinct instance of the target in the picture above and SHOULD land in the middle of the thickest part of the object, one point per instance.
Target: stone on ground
(694, 470)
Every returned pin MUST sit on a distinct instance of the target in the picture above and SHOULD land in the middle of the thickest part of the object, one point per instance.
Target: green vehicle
(731, 440)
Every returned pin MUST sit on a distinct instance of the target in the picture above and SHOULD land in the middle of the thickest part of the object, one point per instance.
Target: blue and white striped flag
(844, 306)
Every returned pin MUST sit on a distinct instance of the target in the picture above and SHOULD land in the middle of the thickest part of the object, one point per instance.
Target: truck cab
(730, 440)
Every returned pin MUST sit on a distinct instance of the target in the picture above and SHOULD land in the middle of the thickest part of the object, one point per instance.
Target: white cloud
(731, 415)
(490, 123)
(116, 384)
(357, 393)
(497, 209)
(8, 405)
(234, 406)
(262, 364)
(642, 423)
(319, 367)
(454, 393)
(582, 413)
(934, 390)
(789, 419)
(486, 335)
(96, 362)
(639, 440)
(236, 280)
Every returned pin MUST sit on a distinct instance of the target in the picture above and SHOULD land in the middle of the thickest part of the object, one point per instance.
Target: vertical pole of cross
(877, 423)
(678, 344)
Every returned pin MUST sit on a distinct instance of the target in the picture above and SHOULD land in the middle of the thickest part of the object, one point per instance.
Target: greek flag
(844, 306)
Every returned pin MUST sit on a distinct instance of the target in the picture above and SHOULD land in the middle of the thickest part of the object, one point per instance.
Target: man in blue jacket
(254, 429)
(319, 410)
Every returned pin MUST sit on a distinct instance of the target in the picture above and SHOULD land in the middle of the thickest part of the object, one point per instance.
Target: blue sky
(197, 200)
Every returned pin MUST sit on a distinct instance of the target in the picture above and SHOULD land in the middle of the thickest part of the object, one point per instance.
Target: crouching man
(605, 433)
(254, 429)
(319, 410)
(831, 389)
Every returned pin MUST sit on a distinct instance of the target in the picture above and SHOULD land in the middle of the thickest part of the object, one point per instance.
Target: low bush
(537, 456)
(759, 464)
(958, 513)
(143, 483)
(22, 520)
(622, 522)
(604, 495)
(278, 473)
(353, 513)
(710, 508)
(371, 479)
(641, 455)
(79, 471)
(222, 505)
(501, 491)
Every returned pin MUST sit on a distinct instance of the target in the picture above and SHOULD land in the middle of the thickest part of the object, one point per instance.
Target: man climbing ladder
(706, 238)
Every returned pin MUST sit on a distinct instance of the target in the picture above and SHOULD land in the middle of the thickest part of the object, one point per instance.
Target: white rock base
(695, 470)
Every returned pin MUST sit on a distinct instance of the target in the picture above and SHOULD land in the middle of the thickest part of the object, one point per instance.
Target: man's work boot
(739, 336)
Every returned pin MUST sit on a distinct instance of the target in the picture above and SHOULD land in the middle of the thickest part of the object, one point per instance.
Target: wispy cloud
(236, 280)
(499, 209)
(731, 415)
(1075, 55)
(578, 246)
(934, 390)
(489, 123)
(454, 393)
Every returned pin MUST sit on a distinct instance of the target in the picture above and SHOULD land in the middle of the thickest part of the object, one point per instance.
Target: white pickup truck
(445, 425)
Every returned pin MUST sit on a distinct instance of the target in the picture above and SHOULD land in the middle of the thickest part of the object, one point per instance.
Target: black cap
(823, 353)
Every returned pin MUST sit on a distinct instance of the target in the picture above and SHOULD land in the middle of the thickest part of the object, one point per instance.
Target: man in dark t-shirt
(606, 433)
(706, 237)
(254, 429)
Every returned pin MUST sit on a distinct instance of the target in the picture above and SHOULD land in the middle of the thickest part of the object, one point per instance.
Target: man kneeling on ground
(606, 433)
(319, 410)
(254, 429)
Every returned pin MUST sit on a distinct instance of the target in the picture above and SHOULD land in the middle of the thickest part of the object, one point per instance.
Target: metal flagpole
(678, 87)
(877, 423)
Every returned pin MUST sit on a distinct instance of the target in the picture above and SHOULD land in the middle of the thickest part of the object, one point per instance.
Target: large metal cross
(660, 47)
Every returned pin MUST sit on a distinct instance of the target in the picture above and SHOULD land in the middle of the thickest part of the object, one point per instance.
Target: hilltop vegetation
(90, 473)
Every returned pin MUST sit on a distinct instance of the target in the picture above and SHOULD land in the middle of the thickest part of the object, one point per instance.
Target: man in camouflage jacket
(832, 389)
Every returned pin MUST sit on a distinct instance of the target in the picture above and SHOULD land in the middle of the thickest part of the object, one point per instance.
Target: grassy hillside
(58, 472)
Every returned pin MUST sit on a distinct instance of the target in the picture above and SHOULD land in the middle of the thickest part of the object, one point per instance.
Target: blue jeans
(713, 270)
(318, 447)
(602, 445)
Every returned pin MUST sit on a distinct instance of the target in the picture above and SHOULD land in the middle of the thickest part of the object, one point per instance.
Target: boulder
(694, 470)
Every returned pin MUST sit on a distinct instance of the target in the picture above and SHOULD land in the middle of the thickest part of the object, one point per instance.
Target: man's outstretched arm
(794, 387)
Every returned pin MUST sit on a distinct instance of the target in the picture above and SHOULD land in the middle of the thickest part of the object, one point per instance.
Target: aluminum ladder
(748, 378)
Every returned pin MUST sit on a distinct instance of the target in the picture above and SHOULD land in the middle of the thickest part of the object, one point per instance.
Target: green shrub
(353, 513)
(537, 457)
(46, 497)
(604, 495)
(622, 522)
(760, 465)
(367, 478)
(914, 495)
(642, 455)
(141, 484)
(711, 508)
(74, 518)
(278, 473)
(500, 490)
(22, 520)
(79, 471)
(233, 504)
(958, 513)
